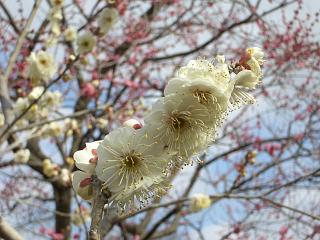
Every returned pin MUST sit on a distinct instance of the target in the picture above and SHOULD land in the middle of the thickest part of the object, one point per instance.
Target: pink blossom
(88, 90)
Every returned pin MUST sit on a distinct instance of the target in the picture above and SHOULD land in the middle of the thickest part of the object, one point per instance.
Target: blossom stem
(99, 200)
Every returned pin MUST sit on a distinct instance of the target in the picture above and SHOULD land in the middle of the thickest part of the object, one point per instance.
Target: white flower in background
(55, 17)
(70, 34)
(251, 157)
(1, 119)
(52, 99)
(46, 64)
(85, 161)
(51, 41)
(35, 93)
(107, 18)
(21, 104)
(49, 169)
(57, 3)
(53, 129)
(43, 112)
(126, 156)
(181, 124)
(80, 216)
(199, 201)
(208, 84)
(256, 53)
(33, 69)
(64, 176)
(22, 156)
(133, 123)
(86, 42)
(33, 112)
(101, 123)
(41, 66)
(71, 125)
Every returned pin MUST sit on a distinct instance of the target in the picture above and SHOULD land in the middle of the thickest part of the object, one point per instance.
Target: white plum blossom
(21, 104)
(53, 129)
(71, 125)
(126, 156)
(52, 99)
(64, 176)
(49, 169)
(57, 3)
(41, 66)
(85, 161)
(55, 17)
(107, 18)
(101, 123)
(86, 42)
(22, 156)
(70, 34)
(248, 79)
(199, 201)
(200, 80)
(181, 124)
(134, 161)
(35, 93)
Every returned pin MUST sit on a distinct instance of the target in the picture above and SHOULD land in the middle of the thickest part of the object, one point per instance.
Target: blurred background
(263, 170)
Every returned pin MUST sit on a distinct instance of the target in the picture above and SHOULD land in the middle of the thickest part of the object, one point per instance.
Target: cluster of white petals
(48, 102)
(86, 42)
(57, 3)
(49, 168)
(133, 161)
(248, 78)
(199, 201)
(22, 156)
(55, 17)
(127, 156)
(70, 34)
(41, 66)
(85, 161)
(107, 18)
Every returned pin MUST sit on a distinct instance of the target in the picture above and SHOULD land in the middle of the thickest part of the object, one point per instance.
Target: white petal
(77, 177)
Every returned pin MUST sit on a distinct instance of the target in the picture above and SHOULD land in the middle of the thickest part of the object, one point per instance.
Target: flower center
(58, 2)
(43, 62)
(204, 97)
(108, 19)
(179, 120)
(85, 44)
(131, 160)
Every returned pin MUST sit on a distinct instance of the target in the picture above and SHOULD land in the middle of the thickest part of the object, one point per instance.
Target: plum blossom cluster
(135, 160)
(41, 64)
(49, 102)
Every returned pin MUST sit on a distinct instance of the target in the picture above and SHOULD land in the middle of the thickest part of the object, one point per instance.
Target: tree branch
(7, 232)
